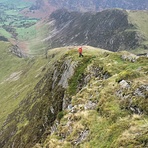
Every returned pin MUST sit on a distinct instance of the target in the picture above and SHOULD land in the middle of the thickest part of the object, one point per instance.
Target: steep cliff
(99, 100)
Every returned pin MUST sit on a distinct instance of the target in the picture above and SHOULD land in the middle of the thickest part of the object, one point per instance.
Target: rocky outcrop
(17, 51)
(133, 100)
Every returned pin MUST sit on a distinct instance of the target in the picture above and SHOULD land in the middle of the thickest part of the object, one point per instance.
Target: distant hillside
(14, 26)
(66, 101)
(39, 9)
(42, 8)
(97, 5)
(110, 29)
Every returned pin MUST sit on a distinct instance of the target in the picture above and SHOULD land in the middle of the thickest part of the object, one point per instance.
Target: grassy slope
(19, 76)
(33, 37)
(140, 20)
(110, 122)
(15, 77)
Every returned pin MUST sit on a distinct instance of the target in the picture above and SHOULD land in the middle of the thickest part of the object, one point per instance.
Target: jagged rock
(52, 109)
(70, 107)
(54, 126)
(129, 57)
(143, 54)
(74, 109)
(135, 110)
(66, 102)
(131, 98)
(141, 90)
(124, 84)
(139, 68)
(55, 76)
(121, 94)
(93, 72)
(90, 105)
(68, 72)
(17, 51)
(82, 136)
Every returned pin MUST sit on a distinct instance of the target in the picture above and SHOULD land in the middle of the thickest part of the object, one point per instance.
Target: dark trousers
(80, 54)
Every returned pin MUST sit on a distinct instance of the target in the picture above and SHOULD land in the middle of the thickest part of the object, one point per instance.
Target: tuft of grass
(61, 115)
(127, 74)
(79, 71)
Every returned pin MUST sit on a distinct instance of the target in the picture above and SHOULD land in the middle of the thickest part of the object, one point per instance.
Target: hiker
(80, 52)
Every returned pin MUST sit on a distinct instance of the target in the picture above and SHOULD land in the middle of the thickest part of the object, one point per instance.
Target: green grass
(36, 44)
(103, 133)
(12, 12)
(15, 77)
(140, 19)
(80, 70)
(8, 62)
(27, 33)
(27, 72)
(34, 36)
(14, 20)
(109, 125)
(4, 33)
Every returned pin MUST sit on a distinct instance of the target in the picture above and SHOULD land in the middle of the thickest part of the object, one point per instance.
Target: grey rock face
(140, 91)
(17, 51)
(62, 74)
(68, 72)
(90, 105)
(124, 84)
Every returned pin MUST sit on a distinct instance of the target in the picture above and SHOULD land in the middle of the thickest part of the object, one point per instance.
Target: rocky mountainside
(42, 8)
(91, 5)
(110, 29)
(66, 101)
(97, 5)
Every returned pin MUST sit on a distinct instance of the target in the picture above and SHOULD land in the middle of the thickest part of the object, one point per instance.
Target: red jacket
(80, 50)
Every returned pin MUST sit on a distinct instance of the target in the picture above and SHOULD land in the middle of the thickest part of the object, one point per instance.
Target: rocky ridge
(83, 102)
